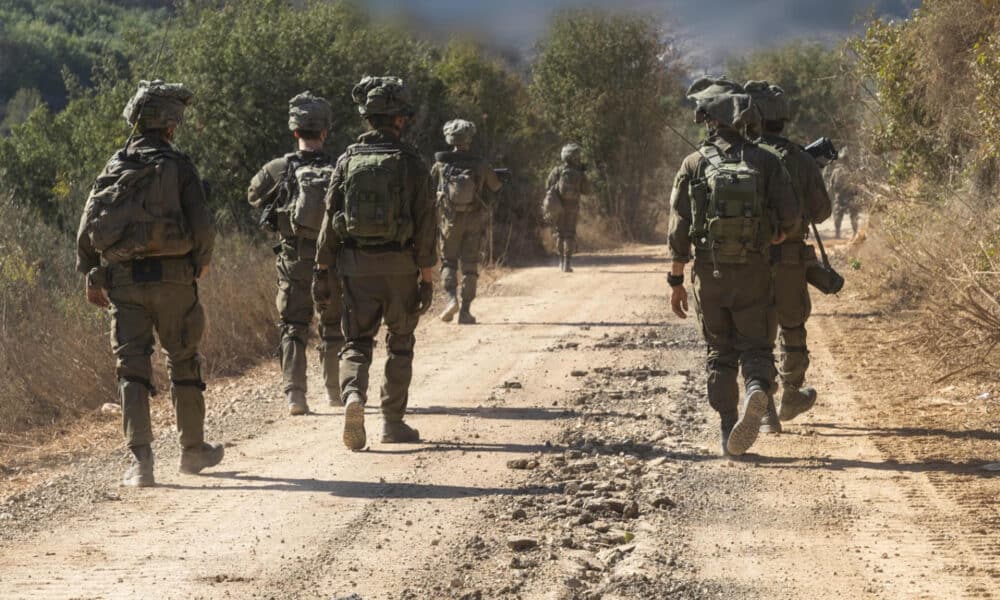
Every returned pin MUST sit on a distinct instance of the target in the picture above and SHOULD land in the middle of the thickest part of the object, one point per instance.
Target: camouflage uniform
(295, 264)
(845, 193)
(733, 300)
(794, 255)
(157, 294)
(380, 282)
(564, 227)
(462, 228)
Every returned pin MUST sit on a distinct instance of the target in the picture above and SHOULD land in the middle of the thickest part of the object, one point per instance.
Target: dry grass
(55, 354)
(941, 261)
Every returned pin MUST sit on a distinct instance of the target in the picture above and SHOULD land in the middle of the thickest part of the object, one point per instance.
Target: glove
(426, 293)
(322, 291)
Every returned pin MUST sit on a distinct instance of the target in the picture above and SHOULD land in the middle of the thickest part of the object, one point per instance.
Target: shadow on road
(846, 431)
(358, 489)
(811, 463)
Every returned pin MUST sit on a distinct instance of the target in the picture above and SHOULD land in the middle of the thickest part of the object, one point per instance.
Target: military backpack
(570, 184)
(457, 187)
(376, 208)
(729, 216)
(308, 183)
(134, 211)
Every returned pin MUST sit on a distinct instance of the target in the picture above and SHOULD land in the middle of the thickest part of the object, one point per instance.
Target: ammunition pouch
(150, 270)
(793, 254)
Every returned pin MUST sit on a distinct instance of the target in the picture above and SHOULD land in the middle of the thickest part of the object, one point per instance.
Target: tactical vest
(307, 183)
(730, 219)
(376, 209)
(139, 214)
(458, 187)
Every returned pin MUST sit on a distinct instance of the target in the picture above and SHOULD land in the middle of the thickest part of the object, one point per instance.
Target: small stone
(573, 583)
(519, 515)
(110, 408)
(585, 518)
(663, 501)
(577, 373)
(522, 464)
(519, 543)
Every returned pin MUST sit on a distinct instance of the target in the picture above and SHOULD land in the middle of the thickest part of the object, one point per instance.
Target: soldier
(379, 237)
(790, 259)
(145, 239)
(292, 189)
(731, 200)
(845, 192)
(569, 182)
(461, 179)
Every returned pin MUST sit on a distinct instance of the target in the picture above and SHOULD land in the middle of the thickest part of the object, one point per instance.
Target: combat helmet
(157, 105)
(307, 112)
(725, 101)
(572, 154)
(382, 96)
(770, 99)
(459, 132)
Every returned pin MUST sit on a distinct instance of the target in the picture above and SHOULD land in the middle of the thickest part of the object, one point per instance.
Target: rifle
(823, 277)
(823, 151)
(505, 175)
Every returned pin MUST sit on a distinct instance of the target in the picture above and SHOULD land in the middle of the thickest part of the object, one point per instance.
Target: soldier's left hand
(98, 296)
(426, 293)
(679, 301)
(778, 238)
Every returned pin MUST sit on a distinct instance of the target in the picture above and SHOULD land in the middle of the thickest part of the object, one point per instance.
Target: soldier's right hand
(98, 296)
(679, 301)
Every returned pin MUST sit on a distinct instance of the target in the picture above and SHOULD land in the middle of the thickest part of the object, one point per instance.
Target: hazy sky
(710, 28)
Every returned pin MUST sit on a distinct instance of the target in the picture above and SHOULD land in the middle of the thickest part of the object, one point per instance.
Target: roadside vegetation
(57, 138)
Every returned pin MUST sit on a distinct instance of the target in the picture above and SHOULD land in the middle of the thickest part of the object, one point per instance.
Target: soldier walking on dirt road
(731, 201)
(791, 257)
(569, 183)
(292, 191)
(146, 237)
(379, 236)
(461, 179)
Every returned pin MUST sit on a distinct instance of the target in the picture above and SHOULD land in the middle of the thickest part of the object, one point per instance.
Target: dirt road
(569, 454)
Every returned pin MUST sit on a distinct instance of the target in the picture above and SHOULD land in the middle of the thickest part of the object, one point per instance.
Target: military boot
(208, 454)
(746, 429)
(140, 471)
(726, 424)
(451, 310)
(770, 422)
(354, 422)
(398, 432)
(297, 403)
(465, 317)
(333, 396)
(795, 402)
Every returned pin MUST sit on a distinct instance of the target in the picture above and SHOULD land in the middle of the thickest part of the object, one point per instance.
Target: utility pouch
(824, 278)
(148, 270)
(821, 275)
(790, 254)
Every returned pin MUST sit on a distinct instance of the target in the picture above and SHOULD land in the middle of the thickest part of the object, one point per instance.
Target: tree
(819, 82)
(604, 80)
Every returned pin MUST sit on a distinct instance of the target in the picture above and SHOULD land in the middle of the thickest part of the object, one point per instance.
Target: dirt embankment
(570, 455)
